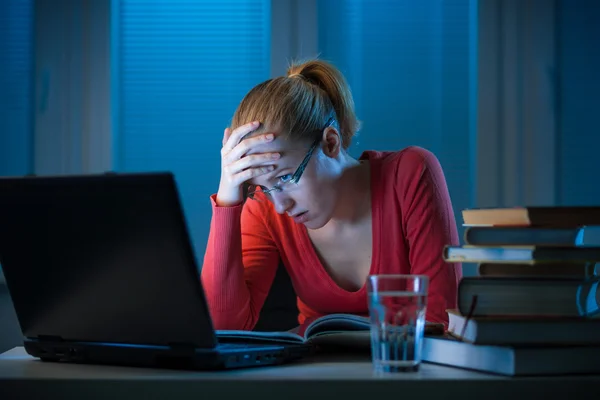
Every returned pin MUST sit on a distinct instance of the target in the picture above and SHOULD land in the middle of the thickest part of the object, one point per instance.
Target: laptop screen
(104, 258)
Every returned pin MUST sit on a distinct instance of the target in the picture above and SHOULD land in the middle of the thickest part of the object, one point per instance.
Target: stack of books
(534, 305)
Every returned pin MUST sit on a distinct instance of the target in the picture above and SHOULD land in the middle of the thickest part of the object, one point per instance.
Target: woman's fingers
(242, 148)
(226, 135)
(252, 161)
(251, 173)
(236, 136)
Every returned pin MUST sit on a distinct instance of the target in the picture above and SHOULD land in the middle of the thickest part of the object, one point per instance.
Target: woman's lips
(301, 218)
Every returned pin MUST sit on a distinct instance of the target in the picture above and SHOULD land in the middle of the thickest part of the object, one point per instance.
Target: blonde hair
(301, 103)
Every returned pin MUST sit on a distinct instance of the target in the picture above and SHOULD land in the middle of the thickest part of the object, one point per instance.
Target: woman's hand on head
(237, 166)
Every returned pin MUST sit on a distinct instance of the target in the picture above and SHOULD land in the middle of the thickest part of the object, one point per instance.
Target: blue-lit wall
(579, 143)
(410, 65)
(181, 68)
(16, 72)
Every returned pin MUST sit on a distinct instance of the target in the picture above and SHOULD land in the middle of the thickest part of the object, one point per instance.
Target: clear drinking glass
(397, 305)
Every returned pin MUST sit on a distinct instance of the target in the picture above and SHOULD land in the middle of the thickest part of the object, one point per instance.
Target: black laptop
(101, 270)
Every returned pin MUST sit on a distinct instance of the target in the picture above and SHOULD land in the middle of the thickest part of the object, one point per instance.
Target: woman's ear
(332, 141)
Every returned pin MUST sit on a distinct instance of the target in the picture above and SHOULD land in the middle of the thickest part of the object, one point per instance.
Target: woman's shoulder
(409, 160)
(406, 174)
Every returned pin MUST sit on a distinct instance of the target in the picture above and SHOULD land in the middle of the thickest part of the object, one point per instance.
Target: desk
(310, 379)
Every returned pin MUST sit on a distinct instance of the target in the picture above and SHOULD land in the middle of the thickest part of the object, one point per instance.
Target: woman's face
(310, 201)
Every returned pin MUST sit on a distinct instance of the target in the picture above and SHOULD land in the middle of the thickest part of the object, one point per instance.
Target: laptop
(101, 270)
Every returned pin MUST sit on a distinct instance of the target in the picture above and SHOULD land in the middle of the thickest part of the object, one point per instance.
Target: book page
(334, 329)
(332, 333)
(224, 336)
(348, 323)
(337, 323)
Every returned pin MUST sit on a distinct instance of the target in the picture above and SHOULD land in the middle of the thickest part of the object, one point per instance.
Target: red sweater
(412, 222)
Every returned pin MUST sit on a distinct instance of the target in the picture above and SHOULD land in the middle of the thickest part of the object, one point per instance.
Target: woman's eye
(285, 178)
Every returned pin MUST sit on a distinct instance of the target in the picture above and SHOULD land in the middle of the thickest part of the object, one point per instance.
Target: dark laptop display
(100, 269)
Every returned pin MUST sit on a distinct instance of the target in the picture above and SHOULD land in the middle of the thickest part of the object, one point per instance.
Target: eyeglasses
(288, 181)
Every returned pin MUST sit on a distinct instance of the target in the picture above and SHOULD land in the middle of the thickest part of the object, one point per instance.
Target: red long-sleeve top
(412, 222)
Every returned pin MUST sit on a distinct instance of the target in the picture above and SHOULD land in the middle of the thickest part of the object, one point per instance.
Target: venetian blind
(182, 67)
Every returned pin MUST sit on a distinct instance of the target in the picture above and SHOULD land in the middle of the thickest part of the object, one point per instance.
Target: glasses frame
(299, 171)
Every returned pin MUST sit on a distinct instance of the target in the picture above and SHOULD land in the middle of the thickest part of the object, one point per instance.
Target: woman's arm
(429, 226)
(239, 266)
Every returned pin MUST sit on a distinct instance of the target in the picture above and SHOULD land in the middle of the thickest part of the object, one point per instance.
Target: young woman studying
(330, 218)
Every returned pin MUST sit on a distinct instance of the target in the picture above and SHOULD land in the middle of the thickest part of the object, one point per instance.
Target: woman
(330, 218)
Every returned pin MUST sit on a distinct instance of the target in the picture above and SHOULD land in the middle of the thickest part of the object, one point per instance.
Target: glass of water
(397, 305)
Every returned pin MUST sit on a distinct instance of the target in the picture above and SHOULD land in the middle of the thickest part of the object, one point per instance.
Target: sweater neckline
(376, 226)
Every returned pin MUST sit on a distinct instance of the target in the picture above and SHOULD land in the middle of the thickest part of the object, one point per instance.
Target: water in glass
(397, 327)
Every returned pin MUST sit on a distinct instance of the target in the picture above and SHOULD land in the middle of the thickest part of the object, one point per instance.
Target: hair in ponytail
(302, 102)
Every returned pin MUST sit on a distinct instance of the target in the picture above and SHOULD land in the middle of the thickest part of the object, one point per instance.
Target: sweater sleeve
(239, 266)
(429, 226)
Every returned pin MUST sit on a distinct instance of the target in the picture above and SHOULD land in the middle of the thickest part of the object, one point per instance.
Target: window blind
(16, 72)
(182, 67)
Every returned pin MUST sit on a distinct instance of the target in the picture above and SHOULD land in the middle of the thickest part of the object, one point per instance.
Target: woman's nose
(281, 202)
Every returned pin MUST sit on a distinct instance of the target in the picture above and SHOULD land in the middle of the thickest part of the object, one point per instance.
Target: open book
(333, 329)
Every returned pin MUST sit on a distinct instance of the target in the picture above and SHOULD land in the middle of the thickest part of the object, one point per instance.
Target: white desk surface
(317, 377)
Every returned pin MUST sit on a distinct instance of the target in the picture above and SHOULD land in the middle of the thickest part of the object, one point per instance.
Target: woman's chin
(314, 223)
